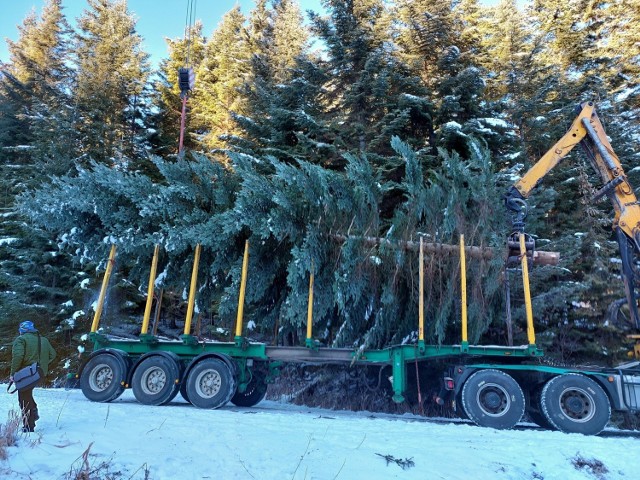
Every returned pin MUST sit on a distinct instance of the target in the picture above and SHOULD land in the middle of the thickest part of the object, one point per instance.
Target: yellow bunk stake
(243, 287)
(463, 293)
(192, 293)
(152, 280)
(103, 290)
(531, 336)
(421, 299)
(310, 343)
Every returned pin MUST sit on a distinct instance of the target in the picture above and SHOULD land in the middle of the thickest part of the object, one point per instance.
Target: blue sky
(157, 19)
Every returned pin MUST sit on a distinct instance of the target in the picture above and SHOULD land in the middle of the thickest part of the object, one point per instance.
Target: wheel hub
(493, 400)
(210, 384)
(154, 381)
(577, 404)
(102, 378)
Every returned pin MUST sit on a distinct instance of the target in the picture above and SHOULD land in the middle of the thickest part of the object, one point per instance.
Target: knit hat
(27, 326)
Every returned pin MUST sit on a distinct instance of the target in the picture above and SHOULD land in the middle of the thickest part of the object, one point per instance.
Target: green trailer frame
(495, 384)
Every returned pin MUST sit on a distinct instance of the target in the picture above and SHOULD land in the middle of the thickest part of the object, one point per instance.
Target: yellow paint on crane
(152, 280)
(103, 290)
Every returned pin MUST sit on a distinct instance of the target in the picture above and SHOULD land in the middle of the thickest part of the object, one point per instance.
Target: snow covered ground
(279, 441)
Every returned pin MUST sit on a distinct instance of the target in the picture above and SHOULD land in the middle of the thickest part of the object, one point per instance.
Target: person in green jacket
(30, 347)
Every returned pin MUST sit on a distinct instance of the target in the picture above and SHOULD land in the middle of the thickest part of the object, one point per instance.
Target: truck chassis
(491, 385)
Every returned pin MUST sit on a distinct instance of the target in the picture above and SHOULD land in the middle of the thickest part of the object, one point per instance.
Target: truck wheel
(183, 391)
(575, 403)
(535, 413)
(254, 393)
(210, 384)
(540, 419)
(155, 381)
(491, 398)
(103, 378)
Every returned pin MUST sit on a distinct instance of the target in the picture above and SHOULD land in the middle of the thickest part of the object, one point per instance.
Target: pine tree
(282, 88)
(220, 76)
(112, 74)
(37, 141)
(38, 79)
(183, 53)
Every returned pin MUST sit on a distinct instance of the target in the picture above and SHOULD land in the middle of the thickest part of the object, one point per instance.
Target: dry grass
(592, 465)
(9, 433)
(85, 467)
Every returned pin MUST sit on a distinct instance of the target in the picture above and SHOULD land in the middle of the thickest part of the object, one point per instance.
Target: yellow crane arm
(587, 130)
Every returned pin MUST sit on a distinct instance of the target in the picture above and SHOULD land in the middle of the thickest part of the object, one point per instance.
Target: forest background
(306, 133)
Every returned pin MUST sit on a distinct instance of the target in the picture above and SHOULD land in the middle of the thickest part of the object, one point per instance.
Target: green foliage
(110, 90)
(165, 122)
(409, 123)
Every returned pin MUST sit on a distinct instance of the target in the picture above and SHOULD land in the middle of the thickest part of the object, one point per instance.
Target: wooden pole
(487, 253)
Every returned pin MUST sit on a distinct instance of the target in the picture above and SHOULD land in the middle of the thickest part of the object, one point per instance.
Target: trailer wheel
(254, 393)
(492, 398)
(540, 419)
(210, 384)
(155, 381)
(535, 413)
(103, 378)
(183, 391)
(575, 403)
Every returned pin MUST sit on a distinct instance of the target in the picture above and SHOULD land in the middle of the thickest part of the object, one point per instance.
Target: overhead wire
(188, 27)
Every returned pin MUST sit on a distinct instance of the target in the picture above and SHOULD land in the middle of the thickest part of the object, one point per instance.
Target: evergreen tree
(183, 53)
(220, 76)
(112, 74)
(36, 141)
(282, 89)
(36, 85)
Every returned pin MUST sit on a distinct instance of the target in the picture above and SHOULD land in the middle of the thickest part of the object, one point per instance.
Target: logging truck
(492, 385)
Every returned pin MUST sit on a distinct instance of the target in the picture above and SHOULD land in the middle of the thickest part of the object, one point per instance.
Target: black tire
(492, 398)
(535, 413)
(183, 390)
(210, 384)
(254, 393)
(460, 409)
(540, 419)
(575, 403)
(156, 380)
(103, 378)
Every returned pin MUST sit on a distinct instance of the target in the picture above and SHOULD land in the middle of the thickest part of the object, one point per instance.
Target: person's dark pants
(29, 409)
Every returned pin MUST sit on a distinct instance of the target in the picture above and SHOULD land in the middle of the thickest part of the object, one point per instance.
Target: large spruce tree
(36, 141)
(112, 75)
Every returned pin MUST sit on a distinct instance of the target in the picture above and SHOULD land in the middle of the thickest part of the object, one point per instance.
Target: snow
(275, 440)
(496, 122)
(7, 240)
(452, 125)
